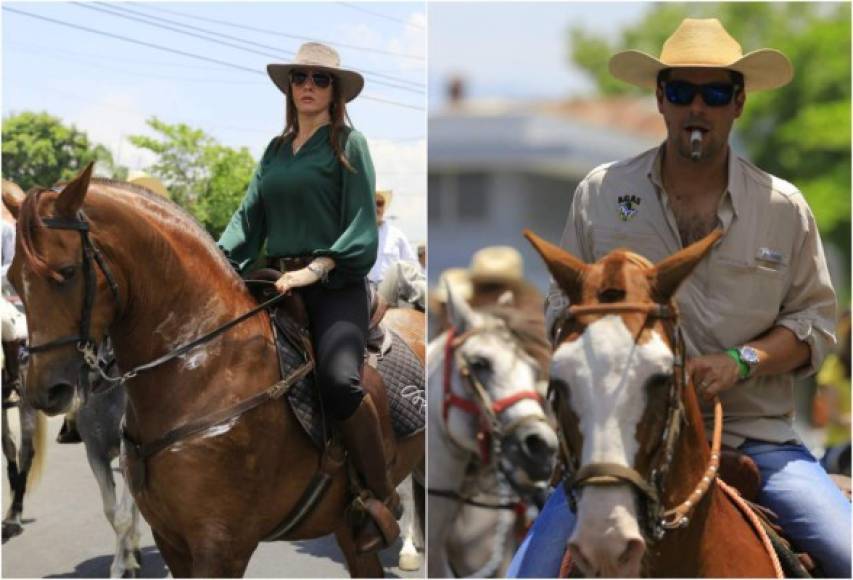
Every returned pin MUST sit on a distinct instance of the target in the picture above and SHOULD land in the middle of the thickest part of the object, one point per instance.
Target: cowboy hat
(497, 264)
(457, 279)
(151, 183)
(318, 56)
(704, 43)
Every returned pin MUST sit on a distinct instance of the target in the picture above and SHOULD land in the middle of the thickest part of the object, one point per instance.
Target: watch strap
(743, 368)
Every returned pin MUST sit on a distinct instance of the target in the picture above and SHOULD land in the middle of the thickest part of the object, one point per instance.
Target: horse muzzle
(52, 391)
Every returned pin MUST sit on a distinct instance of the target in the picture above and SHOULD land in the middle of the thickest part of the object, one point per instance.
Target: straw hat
(151, 183)
(386, 194)
(704, 43)
(319, 57)
(457, 279)
(497, 264)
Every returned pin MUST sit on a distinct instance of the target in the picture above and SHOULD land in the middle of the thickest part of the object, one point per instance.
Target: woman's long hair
(339, 116)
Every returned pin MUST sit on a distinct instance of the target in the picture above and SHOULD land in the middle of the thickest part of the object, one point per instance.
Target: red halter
(486, 411)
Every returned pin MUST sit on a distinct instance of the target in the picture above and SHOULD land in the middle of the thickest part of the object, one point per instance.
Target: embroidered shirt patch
(629, 205)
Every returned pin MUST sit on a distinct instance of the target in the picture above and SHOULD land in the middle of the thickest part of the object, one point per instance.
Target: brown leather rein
(659, 519)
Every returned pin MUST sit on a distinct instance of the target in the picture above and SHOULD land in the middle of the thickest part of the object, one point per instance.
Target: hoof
(409, 562)
(11, 529)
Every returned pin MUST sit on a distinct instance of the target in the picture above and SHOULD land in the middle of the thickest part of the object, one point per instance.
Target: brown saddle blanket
(399, 368)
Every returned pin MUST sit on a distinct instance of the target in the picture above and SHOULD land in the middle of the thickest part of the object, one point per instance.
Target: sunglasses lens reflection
(714, 94)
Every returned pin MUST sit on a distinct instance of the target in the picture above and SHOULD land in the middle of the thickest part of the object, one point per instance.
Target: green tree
(800, 132)
(38, 149)
(204, 177)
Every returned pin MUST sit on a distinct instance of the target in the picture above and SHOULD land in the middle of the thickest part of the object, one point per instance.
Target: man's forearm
(779, 351)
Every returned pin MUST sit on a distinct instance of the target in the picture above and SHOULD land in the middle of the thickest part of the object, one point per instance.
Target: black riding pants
(338, 319)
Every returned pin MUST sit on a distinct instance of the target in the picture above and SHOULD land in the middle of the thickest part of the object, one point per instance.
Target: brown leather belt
(290, 263)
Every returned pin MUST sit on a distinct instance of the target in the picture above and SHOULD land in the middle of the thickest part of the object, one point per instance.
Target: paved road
(66, 534)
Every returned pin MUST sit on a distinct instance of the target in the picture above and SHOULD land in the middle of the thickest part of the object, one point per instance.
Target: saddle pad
(401, 372)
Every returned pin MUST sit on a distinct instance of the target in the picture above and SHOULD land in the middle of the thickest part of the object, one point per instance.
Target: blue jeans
(811, 509)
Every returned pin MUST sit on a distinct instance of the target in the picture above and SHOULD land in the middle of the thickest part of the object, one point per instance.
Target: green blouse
(309, 204)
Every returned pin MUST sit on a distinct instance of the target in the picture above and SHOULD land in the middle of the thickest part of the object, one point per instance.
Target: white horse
(489, 437)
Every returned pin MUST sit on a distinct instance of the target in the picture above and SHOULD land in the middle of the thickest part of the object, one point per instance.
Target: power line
(121, 12)
(283, 34)
(82, 58)
(380, 15)
(180, 52)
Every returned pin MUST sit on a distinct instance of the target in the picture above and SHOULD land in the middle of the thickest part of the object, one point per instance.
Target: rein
(659, 520)
(84, 342)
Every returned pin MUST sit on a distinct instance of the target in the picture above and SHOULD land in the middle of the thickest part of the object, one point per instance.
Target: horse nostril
(59, 396)
(535, 445)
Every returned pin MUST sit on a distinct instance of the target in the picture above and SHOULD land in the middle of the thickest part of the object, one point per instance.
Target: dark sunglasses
(714, 94)
(320, 80)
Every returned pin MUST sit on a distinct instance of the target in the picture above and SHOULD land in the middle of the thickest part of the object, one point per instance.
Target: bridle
(490, 432)
(83, 340)
(658, 519)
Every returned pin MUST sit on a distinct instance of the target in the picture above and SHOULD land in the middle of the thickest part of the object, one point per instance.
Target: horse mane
(30, 222)
(528, 328)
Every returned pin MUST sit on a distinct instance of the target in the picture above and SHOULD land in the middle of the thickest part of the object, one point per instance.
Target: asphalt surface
(66, 534)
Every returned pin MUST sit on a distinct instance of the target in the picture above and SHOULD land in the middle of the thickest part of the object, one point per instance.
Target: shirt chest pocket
(748, 289)
(648, 245)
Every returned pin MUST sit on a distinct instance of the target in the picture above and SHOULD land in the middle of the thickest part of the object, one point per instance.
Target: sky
(108, 87)
(516, 50)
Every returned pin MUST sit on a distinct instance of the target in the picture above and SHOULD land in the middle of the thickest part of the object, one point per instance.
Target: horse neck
(175, 289)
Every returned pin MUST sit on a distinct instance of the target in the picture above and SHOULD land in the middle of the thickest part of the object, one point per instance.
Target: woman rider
(311, 201)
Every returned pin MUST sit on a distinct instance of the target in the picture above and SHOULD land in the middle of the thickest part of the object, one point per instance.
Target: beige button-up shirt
(767, 270)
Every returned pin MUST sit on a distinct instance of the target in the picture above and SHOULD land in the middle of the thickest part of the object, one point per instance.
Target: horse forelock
(29, 224)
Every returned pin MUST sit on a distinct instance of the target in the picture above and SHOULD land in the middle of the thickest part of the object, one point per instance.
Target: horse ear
(668, 274)
(567, 270)
(13, 197)
(459, 312)
(71, 199)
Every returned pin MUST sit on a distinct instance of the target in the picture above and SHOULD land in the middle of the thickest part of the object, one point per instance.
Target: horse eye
(480, 363)
(67, 273)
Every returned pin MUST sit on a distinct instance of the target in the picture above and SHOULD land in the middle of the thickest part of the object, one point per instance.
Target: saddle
(291, 309)
(392, 375)
(740, 472)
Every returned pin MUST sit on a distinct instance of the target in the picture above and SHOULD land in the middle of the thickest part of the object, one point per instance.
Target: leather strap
(146, 450)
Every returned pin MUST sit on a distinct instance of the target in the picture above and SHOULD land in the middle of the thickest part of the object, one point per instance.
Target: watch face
(749, 355)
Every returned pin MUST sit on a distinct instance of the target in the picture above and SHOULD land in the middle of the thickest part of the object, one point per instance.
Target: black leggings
(338, 319)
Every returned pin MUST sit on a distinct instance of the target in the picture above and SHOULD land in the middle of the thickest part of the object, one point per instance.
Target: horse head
(53, 272)
(494, 352)
(617, 392)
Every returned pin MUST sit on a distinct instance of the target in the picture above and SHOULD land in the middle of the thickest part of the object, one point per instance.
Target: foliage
(800, 132)
(39, 150)
(204, 177)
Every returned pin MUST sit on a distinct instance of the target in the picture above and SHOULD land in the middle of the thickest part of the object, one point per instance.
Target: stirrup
(380, 528)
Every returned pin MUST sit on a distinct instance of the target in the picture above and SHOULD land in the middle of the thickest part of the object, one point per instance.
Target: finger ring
(704, 385)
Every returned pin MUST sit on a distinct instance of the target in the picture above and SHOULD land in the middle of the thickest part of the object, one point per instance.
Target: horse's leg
(12, 519)
(365, 565)
(100, 466)
(29, 424)
(219, 557)
(409, 559)
(178, 561)
(127, 533)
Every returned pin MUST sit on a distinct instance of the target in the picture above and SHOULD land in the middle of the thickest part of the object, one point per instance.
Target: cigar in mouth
(695, 144)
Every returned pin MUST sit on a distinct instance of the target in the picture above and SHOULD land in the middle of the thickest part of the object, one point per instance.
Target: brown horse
(632, 433)
(212, 497)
